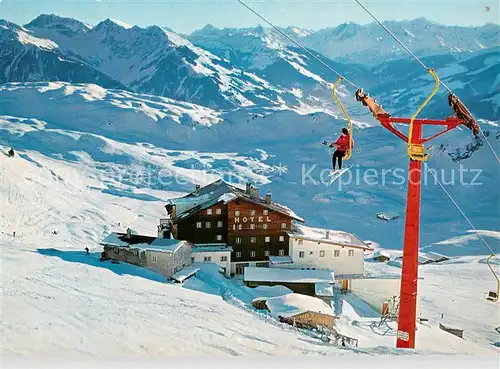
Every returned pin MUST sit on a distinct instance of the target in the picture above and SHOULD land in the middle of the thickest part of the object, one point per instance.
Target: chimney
(165, 228)
(129, 234)
(248, 188)
(268, 198)
(255, 192)
(327, 235)
(197, 187)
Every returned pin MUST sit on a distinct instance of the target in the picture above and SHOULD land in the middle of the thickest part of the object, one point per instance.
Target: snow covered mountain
(365, 44)
(26, 57)
(269, 146)
(369, 44)
(227, 68)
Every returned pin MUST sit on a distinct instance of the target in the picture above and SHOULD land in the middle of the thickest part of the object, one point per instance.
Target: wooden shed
(310, 319)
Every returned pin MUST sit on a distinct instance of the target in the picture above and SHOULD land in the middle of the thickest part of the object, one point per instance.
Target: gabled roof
(221, 192)
(121, 240)
(328, 236)
(136, 241)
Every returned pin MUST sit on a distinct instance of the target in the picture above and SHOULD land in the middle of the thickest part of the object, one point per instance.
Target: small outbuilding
(381, 256)
(301, 311)
(163, 255)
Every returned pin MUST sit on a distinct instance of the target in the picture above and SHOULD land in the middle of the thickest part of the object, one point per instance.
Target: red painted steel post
(407, 318)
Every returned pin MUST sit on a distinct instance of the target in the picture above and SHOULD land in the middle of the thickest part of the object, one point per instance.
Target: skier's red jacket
(343, 143)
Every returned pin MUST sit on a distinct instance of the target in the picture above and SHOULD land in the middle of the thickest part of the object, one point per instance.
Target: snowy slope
(67, 294)
(274, 147)
(54, 297)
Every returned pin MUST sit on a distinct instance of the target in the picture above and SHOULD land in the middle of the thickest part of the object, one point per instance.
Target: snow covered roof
(294, 304)
(286, 275)
(280, 260)
(382, 253)
(211, 247)
(184, 274)
(434, 256)
(328, 236)
(323, 289)
(221, 192)
(166, 245)
(120, 239)
(141, 242)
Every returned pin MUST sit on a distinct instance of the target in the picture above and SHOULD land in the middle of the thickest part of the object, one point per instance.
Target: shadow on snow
(93, 260)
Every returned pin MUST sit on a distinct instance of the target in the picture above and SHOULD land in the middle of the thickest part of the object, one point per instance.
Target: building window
(218, 211)
(252, 226)
(265, 212)
(336, 253)
(300, 242)
(282, 238)
(253, 239)
(220, 224)
(252, 212)
(209, 211)
(155, 258)
(283, 225)
(238, 254)
(252, 254)
(116, 250)
(223, 258)
(266, 253)
(264, 226)
(281, 252)
(351, 252)
(237, 213)
(301, 254)
(322, 254)
(267, 239)
(192, 259)
(136, 252)
(219, 237)
(240, 227)
(208, 224)
(238, 239)
(207, 259)
(198, 224)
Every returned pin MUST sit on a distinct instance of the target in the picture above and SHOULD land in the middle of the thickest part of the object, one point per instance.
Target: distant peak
(110, 23)
(120, 23)
(45, 20)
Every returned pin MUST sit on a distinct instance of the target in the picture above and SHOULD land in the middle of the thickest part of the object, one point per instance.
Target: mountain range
(234, 68)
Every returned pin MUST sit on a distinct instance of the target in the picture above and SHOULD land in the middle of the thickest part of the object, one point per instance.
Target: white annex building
(219, 254)
(313, 248)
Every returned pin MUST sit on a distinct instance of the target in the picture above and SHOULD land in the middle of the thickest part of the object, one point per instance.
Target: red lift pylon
(407, 318)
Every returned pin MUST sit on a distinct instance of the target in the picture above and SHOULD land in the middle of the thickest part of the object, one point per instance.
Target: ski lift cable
(298, 45)
(459, 209)
(423, 66)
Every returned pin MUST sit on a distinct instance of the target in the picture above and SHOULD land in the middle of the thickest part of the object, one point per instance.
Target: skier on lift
(342, 145)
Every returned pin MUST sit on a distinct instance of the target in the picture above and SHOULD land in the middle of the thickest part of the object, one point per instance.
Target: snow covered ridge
(151, 60)
(221, 69)
(154, 107)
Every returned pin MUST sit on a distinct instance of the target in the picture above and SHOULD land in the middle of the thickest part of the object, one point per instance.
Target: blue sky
(188, 15)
